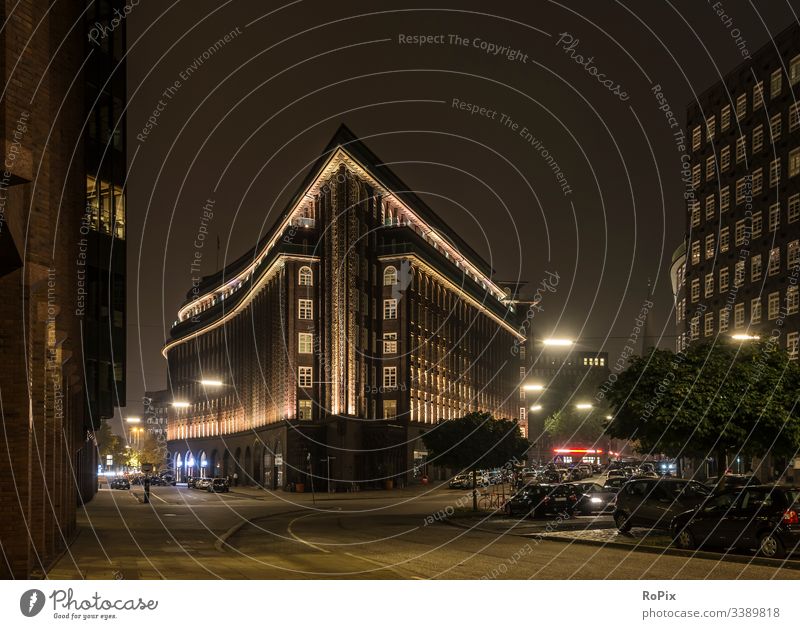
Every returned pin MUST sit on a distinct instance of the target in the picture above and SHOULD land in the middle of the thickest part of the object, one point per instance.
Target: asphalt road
(191, 534)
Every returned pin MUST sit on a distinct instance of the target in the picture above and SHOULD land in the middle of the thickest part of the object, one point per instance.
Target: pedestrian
(235, 479)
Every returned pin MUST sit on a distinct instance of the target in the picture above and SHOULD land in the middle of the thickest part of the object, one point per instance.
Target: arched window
(305, 277)
(390, 276)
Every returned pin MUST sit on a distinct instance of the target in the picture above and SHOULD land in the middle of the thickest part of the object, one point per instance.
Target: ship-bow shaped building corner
(355, 325)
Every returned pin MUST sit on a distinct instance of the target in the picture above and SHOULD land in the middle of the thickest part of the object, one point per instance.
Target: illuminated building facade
(356, 324)
(739, 271)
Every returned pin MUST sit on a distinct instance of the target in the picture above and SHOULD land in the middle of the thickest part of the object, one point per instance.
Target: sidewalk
(371, 494)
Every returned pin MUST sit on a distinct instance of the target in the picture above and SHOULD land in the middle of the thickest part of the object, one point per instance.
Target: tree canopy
(711, 399)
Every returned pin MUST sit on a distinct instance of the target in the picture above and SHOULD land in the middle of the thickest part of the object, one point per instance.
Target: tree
(713, 398)
(568, 424)
(109, 444)
(473, 442)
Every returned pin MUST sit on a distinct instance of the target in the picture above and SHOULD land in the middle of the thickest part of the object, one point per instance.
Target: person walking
(235, 479)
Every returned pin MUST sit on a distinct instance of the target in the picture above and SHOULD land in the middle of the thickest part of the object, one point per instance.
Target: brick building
(737, 272)
(48, 466)
(358, 322)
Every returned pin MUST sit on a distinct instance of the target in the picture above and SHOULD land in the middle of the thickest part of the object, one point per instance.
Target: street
(251, 534)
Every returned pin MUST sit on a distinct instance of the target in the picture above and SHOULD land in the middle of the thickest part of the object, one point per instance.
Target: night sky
(240, 126)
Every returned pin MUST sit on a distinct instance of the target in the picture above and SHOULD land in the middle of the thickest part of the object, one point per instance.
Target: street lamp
(745, 337)
(180, 404)
(133, 420)
(211, 383)
(536, 407)
(534, 387)
(558, 342)
(583, 406)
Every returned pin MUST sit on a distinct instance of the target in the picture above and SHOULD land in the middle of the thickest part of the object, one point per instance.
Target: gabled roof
(343, 143)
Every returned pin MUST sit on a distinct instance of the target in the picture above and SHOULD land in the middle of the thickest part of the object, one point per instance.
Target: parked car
(653, 503)
(539, 500)
(119, 483)
(460, 481)
(219, 485)
(731, 481)
(615, 482)
(202, 483)
(594, 498)
(191, 480)
(764, 517)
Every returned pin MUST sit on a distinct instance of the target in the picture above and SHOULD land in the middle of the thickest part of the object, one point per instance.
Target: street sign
(147, 467)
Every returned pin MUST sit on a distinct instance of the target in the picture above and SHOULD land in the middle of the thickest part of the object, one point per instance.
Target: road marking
(301, 540)
(384, 566)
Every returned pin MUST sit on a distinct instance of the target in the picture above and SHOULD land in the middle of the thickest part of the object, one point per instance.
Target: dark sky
(243, 127)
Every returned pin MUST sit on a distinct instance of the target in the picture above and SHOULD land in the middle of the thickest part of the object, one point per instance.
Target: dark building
(563, 379)
(356, 324)
(739, 275)
(103, 234)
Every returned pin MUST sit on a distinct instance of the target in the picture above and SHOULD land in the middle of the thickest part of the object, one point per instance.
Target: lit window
(725, 118)
(709, 246)
(758, 180)
(723, 279)
(794, 162)
(711, 125)
(738, 274)
(775, 172)
(709, 288)
(389, 409)
(694, 210)
(710, 167)
(775, 81)
(755, 268)
(792, 302)
(793, 255)
(741, 229)
(774, 216)
(305, 343)
(390, 343)
(708, 320)
(695, 289)
(724, 198)
(741, 106)
(390, 276)
(305, 277)
(741, 148)
(724, 238)
(794, 71)
(696, 138)
(741, 190)
(791, 344)
(696, 252)
(755, 310)
(390, 309)
(757, 224)
(773, 305)
(724, 315)
(304, 410)
(758, 138)
(758, 95)
(794, 116)
(694, 327)
(390, 377)
(793, 209)
(775, 127)
(774, 265)
(738, 316)
(725, 158)
(304, 376)
(696, 174)
(305, 309)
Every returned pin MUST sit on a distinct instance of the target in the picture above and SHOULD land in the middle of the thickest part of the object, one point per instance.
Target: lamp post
(328, 460)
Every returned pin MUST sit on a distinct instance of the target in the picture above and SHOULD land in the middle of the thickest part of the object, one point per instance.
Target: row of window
(305, 377)
(305, 309)
(775, 90)
(305, 342)
(305, 276)
(792, 302)
(742, 234)
(792, 206)
(749, 183)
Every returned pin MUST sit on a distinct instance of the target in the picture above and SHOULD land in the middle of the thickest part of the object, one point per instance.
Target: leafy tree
(569, 424)
(109, 444)
(474, 442)
(713, 398)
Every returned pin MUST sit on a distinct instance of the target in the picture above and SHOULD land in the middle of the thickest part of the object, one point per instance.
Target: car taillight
(573, 497)
(790, 517)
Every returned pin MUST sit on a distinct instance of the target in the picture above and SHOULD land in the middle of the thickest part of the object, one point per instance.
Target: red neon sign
(576, 451)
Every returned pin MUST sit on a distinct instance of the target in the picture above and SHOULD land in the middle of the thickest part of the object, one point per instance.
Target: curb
(788, 564)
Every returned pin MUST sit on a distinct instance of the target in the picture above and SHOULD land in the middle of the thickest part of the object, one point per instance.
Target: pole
(311, 475)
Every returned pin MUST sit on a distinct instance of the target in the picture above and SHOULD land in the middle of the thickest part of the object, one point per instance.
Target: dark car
(219, 485)
(615, 483)
(540, 500)
(191, 480)
(120, 483)
(731, 481)
(764, 517)
(594, 498)
(652, 503)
